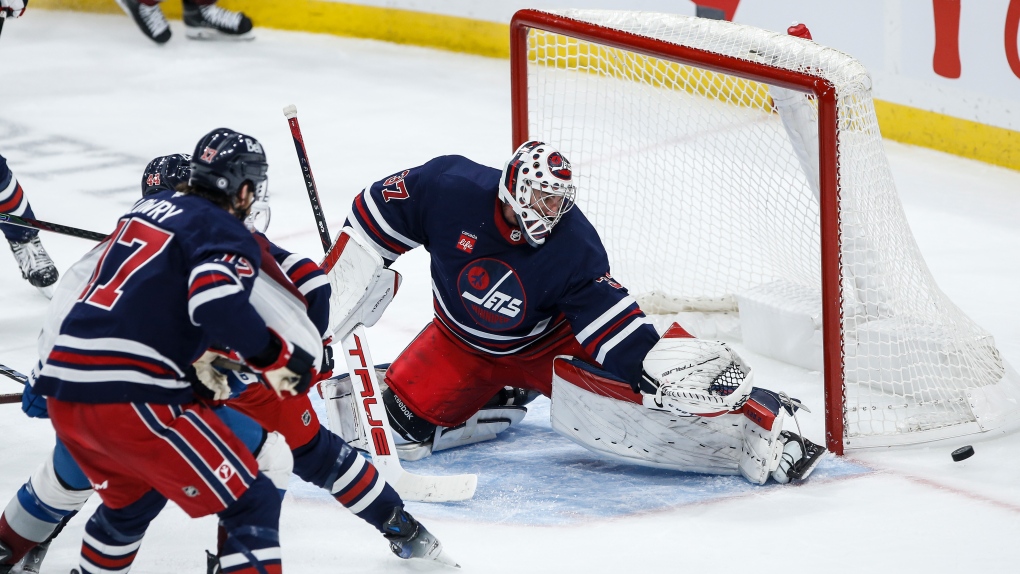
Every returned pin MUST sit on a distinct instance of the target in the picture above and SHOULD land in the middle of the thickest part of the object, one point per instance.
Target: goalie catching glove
(284, 367)
(695, 377)
(692, 376)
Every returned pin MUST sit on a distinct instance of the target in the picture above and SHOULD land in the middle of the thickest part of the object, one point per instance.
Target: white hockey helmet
(537, 183)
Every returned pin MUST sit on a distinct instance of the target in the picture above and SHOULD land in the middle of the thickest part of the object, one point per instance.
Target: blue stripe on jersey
(201, 468)
(223, 448)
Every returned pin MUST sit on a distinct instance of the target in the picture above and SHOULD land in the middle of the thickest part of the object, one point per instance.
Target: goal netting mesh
(704, 187)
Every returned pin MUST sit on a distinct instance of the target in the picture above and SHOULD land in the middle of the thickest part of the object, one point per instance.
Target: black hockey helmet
(225, 159)
(166, 172)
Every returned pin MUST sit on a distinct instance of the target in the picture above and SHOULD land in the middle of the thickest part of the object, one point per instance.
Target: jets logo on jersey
(466, 242)
(492, 294)
(401, 188)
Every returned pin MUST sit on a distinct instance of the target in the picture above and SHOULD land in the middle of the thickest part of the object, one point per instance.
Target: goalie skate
(799, 459)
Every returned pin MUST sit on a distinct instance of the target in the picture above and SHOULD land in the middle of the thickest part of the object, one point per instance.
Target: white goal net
(710, 193)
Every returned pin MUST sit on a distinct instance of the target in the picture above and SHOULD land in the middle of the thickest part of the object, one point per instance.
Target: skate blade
(444, 559)
(209, 35)
(48, 290)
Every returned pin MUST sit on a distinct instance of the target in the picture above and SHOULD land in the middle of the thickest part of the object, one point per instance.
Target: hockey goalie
(521, 310)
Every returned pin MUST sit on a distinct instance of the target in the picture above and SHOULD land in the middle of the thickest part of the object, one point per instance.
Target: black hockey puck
(963, 453)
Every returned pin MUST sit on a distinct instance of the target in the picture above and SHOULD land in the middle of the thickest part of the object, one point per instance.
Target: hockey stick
(11, 374)
(355, 349)
(290, 112)
(54, 227)
(376, 423)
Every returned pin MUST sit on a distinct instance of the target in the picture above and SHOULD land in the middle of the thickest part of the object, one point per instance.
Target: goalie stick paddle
(376, 423)
(53, 227)
(11, 374)
(290, 112)
(413, 487)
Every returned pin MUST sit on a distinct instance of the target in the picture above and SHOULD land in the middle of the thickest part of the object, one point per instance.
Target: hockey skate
(32, 562)
(210, 22)
(410, 539)
(36, 265)
(149, 18)
(800, 457)
(5, 555)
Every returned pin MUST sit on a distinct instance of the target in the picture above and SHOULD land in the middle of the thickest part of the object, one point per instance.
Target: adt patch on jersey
(492, 294)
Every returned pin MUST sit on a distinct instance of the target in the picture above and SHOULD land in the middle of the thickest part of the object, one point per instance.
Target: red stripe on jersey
(302, 271)
(108, 361)
(106, 562)
(205, 280)
(590, 347)
(348, 497)
(360, 203)
(210, 452)
(15, 200)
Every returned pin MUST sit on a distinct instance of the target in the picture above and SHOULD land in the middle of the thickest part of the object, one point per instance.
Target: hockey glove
(34, 405)
(211, 377)
(284, 367)
(12, 8)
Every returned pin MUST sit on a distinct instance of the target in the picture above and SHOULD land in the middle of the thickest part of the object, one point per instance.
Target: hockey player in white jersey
(525, 303)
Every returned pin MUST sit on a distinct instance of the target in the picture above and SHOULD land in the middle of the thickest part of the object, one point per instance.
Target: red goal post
(594, 34)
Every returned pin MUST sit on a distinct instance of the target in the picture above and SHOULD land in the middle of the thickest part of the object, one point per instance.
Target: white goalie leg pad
(341, 410)
(604, 415)
(761, 447)
(276, 460)
(362, 286)
(484, 425)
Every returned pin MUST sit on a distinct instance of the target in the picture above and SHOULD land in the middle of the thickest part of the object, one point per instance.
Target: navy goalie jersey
(494, 291)
(175, 275)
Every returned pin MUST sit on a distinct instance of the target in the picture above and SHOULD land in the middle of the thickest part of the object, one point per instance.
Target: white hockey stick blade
(374, 419)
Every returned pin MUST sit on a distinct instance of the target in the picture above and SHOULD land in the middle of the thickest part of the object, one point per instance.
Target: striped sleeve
(218, 292)
(388, 212)
(311, 281)
(610, 326)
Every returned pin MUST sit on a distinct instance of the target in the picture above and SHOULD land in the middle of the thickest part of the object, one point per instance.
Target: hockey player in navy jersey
(176, 275)
(519, 278)
(58, 489)
(36, 265)
(320, 457)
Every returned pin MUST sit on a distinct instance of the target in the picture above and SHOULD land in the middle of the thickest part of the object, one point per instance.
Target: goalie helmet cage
(684, 166)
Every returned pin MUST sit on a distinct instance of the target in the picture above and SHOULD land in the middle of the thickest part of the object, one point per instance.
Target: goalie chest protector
(491, 288)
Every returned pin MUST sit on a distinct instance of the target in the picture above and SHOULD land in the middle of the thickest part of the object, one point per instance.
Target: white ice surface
(87, 102)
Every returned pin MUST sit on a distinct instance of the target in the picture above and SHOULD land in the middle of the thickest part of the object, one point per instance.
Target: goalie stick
(11, 374)
(413, 487)
(47, 226)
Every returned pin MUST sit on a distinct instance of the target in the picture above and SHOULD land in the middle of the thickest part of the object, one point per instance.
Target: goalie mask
(537, 183)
